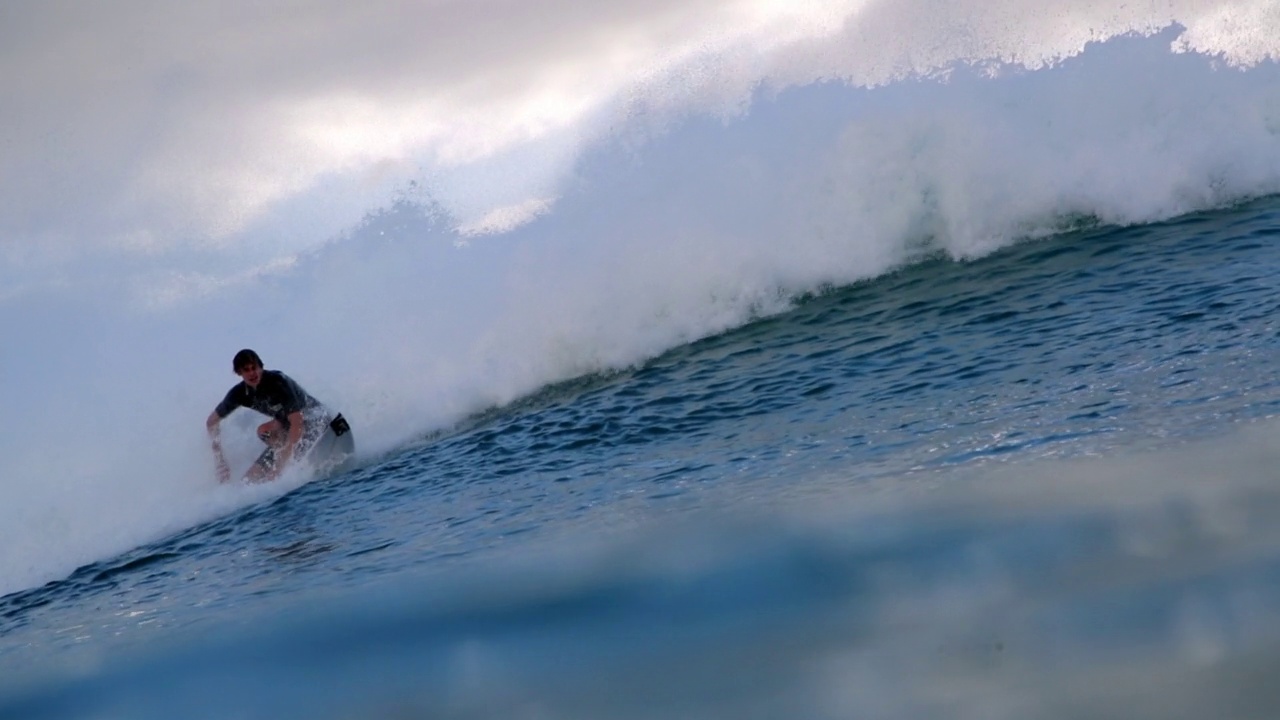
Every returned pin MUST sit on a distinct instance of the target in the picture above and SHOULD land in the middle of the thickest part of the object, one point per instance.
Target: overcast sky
(141, 121)
(151, 115)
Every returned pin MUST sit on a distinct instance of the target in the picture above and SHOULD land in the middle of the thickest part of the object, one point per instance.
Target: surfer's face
(251, 374)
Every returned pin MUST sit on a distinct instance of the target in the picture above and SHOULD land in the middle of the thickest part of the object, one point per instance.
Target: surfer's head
(248, 366)
(244, 358)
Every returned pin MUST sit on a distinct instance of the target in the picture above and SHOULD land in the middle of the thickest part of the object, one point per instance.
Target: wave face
(1026, 485)
(751, 164)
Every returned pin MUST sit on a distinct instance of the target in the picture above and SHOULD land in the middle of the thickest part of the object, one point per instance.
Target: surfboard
(335, 451)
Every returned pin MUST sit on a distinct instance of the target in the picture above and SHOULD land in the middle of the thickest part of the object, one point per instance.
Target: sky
(152, 122)
(143, 125)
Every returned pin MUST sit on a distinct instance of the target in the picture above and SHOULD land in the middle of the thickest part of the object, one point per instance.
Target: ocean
(879, 395)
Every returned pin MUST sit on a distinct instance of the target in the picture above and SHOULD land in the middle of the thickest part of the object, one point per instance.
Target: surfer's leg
(273, 434)
(259, 471)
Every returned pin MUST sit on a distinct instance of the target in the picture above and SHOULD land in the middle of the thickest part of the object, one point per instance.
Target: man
(299, 424)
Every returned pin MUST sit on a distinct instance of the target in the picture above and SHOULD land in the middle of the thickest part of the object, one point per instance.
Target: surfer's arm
(213, 425)
(291, 440)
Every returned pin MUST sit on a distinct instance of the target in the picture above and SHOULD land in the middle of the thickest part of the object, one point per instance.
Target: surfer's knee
(270, 432)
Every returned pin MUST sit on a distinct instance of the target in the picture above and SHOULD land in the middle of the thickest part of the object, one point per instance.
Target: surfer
(299, 423)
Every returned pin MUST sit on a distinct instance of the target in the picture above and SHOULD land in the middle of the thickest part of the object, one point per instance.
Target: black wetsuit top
(277, 395)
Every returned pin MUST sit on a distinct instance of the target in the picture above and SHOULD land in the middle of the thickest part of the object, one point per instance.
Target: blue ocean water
(1041, 482)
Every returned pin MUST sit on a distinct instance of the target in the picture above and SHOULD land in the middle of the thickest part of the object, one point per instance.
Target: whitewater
(819, 340)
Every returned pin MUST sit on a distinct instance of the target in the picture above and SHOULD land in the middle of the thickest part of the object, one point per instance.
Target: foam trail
(688, 203)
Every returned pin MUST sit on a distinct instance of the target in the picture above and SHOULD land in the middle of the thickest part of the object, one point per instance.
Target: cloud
(145, 121)
(144, 124)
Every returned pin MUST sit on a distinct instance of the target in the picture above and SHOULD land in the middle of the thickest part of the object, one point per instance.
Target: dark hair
(243, 358)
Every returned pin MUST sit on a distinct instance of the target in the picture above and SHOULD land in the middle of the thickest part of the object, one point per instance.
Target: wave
(687, 212)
